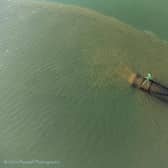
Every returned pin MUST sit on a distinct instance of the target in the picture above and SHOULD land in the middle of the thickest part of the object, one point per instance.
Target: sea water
(64, 90)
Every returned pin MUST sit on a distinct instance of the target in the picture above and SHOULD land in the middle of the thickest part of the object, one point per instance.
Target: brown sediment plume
(132, 78)
(126, 73)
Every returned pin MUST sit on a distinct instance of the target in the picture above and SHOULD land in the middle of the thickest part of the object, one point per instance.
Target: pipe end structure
(136, 80)
(151, 87)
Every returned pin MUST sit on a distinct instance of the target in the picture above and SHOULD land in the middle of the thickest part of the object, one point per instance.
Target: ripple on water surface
(63, 95)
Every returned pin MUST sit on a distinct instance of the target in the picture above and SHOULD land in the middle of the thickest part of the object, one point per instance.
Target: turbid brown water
(64, 93)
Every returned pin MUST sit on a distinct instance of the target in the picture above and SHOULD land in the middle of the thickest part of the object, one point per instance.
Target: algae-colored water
(64, 90)
(144, 14)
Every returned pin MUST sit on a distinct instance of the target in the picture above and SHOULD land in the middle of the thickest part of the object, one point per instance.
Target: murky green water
(63, 95)
(145, 14)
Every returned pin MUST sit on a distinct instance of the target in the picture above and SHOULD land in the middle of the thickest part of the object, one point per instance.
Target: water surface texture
(142, 14)
(63, 91)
